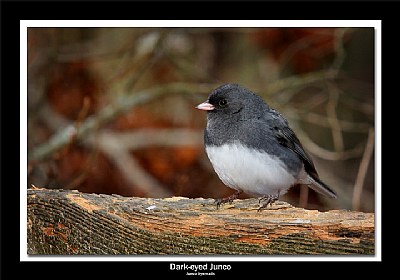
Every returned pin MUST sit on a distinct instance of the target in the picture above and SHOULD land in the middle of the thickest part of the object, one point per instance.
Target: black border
(13, 12)
(200, 10)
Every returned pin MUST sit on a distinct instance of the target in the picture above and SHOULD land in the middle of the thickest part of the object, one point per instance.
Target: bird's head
(233, 100)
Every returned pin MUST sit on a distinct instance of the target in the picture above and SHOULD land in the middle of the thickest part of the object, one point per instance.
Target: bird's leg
(267, 200)
(229, 199)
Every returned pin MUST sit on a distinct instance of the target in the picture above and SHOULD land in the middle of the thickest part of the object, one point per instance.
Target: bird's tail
(317, 185)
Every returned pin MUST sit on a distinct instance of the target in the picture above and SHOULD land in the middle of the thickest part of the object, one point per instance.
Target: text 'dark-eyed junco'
(252, 148)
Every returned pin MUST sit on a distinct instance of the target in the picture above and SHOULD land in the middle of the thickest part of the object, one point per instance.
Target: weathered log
(69, 222)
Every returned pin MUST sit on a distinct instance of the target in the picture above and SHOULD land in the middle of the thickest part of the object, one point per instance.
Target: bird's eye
(222, 102)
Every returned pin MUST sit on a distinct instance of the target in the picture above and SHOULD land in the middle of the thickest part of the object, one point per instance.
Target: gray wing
(287, 138)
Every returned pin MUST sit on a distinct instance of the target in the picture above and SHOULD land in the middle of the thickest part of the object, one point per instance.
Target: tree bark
(66, 222)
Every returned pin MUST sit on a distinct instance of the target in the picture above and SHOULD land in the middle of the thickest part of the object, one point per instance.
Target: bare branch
(149, 137)
(155, 54)
(326, 154)
(339, 48)
(296, 81)
(324, 121)
(362, 171)
(334, 123)
(121, 105)
(116, 146)
(130, 168)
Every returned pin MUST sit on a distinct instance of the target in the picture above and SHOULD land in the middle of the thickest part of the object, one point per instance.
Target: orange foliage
(139, 118)
(316, 43)
(69, 85)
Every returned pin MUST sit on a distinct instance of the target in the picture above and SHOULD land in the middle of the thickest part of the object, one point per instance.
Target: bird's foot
(267, 200)
(229, 199)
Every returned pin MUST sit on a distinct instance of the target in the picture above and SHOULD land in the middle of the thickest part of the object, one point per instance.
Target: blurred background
(111, 110)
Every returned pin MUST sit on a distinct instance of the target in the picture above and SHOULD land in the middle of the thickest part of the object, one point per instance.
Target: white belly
(254, 172)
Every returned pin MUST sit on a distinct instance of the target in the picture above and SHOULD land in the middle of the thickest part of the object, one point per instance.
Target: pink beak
(205, 106)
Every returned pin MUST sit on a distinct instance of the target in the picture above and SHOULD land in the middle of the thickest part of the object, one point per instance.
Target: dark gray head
(233, 101)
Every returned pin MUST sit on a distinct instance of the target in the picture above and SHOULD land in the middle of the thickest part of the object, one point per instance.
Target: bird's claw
(230, 199)
(268, 200)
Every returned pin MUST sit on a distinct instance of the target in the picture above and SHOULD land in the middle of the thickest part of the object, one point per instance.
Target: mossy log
(69, 222)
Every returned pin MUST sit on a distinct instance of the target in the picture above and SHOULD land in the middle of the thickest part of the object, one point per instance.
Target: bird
(253, 149)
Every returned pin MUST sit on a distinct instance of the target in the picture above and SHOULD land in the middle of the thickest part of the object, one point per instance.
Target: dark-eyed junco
(253, 149)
